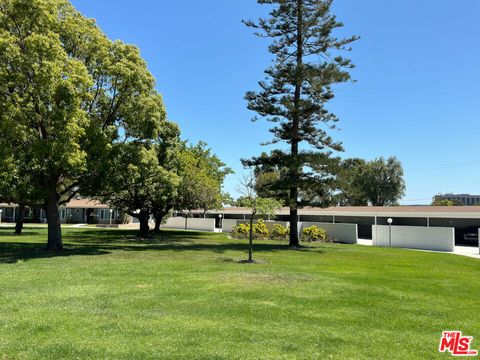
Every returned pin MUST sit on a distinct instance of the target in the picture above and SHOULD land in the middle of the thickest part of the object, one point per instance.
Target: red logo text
(457, 344)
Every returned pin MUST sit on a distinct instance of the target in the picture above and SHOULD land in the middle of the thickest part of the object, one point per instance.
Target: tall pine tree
(307, 62)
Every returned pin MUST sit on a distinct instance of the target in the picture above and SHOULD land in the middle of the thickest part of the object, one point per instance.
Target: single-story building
(462, 218)
(77, 211)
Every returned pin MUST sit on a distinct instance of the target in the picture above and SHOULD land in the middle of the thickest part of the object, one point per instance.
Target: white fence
(415, 237)
(345, 233)
(191, 224)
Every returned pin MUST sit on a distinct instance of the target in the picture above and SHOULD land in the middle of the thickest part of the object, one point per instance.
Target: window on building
(8, 212)
(105, 214)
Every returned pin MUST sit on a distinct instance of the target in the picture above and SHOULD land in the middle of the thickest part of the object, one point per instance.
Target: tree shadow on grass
(94, 242)
(130, 237)
(12, 252)
(11, 232)
(192, 246)
(172, 241)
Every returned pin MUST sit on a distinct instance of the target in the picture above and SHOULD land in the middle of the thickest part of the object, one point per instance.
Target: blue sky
(416, 95)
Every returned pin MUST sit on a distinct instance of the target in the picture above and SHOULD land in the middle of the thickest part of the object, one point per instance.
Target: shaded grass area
(187, 296)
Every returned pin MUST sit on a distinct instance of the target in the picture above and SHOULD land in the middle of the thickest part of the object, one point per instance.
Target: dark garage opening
(462, 227)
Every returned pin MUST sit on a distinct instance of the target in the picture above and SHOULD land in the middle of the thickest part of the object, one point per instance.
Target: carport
(461, 218)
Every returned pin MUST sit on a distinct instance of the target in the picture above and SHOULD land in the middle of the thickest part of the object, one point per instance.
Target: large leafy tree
(136, 182)
(351, 184)
(202, 175)
(17, 186)
(382, 182)
(446, 202)
(378, 182)
(168, 148)
(307, 62)
(67, 93)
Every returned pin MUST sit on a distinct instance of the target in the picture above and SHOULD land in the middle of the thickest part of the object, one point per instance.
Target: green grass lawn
(186, 296)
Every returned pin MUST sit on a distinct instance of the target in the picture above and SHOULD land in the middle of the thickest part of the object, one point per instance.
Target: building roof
(85, 204)
(459, 195)
(467, 212)
(76, 204)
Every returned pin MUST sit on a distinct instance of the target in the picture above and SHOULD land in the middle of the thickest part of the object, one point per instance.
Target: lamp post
(220, 223)
(390, 221)
(111, 213)
(1, 211)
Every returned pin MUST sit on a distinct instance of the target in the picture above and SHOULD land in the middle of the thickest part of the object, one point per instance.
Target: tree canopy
(447, 202)
(202, 174)
(136, 182)
(67, 94)
(378, 183)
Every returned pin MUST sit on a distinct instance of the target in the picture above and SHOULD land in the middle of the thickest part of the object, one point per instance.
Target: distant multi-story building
(465, 199)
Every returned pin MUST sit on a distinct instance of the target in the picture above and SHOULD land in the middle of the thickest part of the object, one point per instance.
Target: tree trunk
(294, 241)
(53, 219)
(250, 242)
(144, 227)
(160, 215)
(295, 132)
(158, 222)
(19, 219)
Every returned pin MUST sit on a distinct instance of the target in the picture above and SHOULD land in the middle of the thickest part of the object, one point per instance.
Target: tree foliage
(153, 178)
(259, 206)
(67, 94)
(293, 97)
(137, 181)
(202, 174)
(17, 186)
(378, 183)
(447, 202)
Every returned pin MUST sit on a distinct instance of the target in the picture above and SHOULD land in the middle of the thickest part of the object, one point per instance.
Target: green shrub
(280, 232)
(260, 230)
(241, 231)
(314, 234)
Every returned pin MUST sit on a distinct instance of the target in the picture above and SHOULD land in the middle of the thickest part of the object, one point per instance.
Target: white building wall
(192, 224)
(228, 225)
(345, 233)
(415, 237)
(201, 224)
(175, 223)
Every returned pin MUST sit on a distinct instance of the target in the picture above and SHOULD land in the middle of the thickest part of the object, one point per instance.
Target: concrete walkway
(365, 242)
(469, 251)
